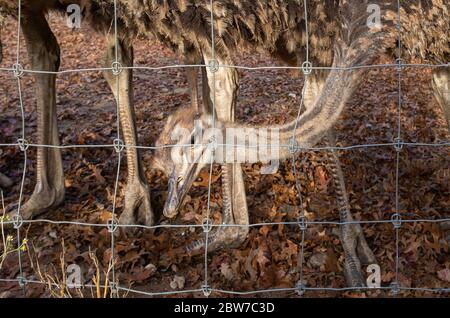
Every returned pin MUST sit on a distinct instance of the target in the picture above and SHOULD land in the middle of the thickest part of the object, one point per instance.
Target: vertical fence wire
(23, 146)
(302, 218)
(116, 70)
(213, 67)
(397, 216)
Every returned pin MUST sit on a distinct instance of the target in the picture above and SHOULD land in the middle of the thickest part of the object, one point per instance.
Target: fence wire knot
(399, 63)
(119, 145)
(395, 288)
(206, 290)
(23, 144)
(212, 143)
(112, 225)
(213, 66)
(293, 146)
(397, 220)
(17, 221)
(206, 225)
(17, 70)
(301, 287)
(398, 144)
(307, 68)
(114, 290)
(22, 281)
(302, 223)
(116, 68)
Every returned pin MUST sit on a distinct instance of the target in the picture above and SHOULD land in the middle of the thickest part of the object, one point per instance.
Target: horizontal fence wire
(397, 219)
(239, 67)
(238, 146)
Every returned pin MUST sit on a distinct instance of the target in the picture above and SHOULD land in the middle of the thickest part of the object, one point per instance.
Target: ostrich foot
(357, 252)
(219, 238)
(138, 209)
(43, 199)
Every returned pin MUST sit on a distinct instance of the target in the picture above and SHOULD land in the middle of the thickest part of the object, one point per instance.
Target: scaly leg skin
(235, 212)
(192, 58)
(137, 209)
(355, 247)
(44, 55)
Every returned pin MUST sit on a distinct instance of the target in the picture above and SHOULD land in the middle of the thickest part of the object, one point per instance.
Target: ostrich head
(183, 149)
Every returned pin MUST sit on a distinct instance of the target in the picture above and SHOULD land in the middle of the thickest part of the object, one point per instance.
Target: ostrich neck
(267, 143)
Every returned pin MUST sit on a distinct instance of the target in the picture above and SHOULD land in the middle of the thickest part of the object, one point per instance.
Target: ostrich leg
(44, 54)
(235, 210)
(356, 249)
(226, 83)
(354, 244)
(137, 196)
(220, 90)
(192, 58)
(441, 89)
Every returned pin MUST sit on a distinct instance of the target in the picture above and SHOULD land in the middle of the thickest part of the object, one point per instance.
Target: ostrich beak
(179, 186)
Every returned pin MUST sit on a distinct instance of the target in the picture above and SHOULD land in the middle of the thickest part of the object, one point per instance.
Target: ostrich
(44, 55)
(179, 24)
(275, 26)
(427, 18)
(165, 20)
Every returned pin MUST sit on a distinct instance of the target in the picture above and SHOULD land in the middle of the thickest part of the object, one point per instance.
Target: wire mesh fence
(396, 220)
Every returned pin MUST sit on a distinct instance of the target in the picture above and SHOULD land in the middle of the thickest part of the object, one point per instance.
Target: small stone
(226, 271)
(150, 267)
(318, 260)
(177, 283)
